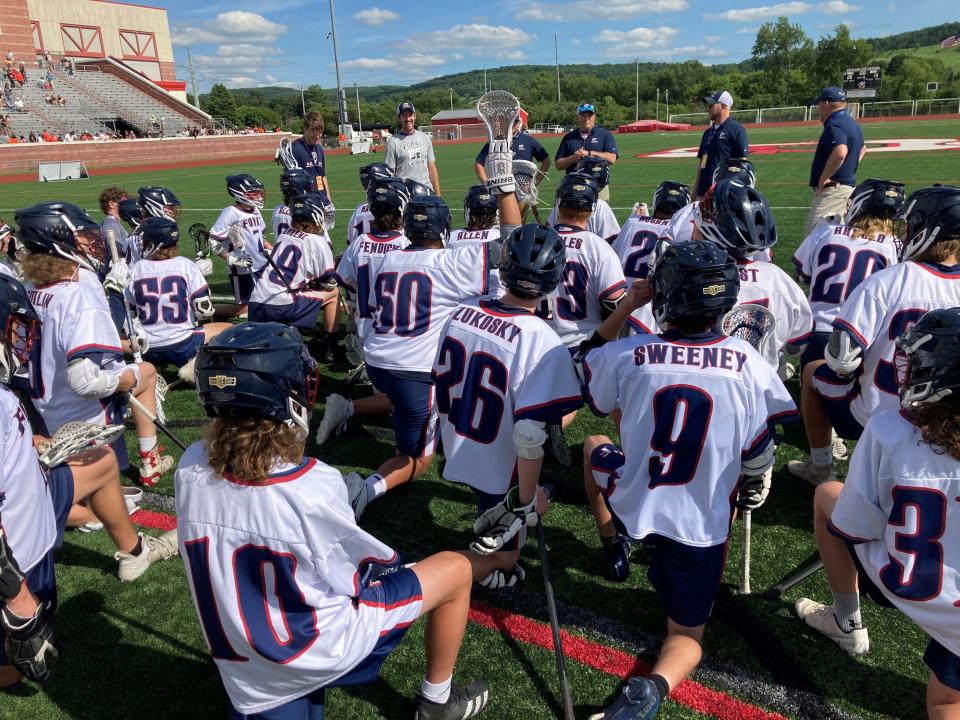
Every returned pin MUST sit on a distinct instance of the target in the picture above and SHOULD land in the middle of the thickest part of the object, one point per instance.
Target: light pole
(193, 76)
(636, 117)
(341, 105)
(658, 109)
(359, 121)
(303, 103)
(451, 98)
(667, 93)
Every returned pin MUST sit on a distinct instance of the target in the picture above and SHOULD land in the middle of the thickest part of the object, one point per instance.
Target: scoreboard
(862, 81)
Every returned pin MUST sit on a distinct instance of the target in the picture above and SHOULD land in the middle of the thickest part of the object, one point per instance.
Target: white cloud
(837, 7)
(482, 37)
(764, 12)
(746, 31)
(375, 16)
(421, 60)
(697, 52)
(367, 64)
(233, 26)
(638, 39)
(607, 10)
(712, 38)
(407, 62)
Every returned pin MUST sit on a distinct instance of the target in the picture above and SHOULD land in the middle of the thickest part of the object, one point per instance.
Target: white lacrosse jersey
(360, 264)
(833, 260)
(763, 283)
(899, 505)
(642, 321)
(112, 229)
(881, 309)
(162, 293)
(252, 228)
(25, 507)
(693, 409)
(592, 274)
(76, 323)
(280, 220)
(301, 257)
(417, 290)
(273, 571)
(602, 221)
(134, 248)
(361, 222)
(497, 365)
(637, 239)
(462, 236)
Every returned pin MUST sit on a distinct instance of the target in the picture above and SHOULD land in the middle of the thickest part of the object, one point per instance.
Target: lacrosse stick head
(201, 239)
(499, 110)
(751, 322)
(284, 155)
(74, 438)
(525, 173)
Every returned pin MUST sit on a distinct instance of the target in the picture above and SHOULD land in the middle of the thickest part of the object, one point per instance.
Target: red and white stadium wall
(19, 162)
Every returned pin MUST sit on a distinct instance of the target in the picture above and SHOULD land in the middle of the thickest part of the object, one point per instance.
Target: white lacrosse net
(73, 438)
(750, 322)
(499, 109)
(525, 173)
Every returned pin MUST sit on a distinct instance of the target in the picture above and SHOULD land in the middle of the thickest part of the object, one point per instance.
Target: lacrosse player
(9, 264)
(111, 227)
(878, 532)
(294, 183)
(602, 222)
(640, 233)
(237, 236)
(77, 371)
(171, 299)
(361, 221)
(409, 153)
(681, 223)
(131, 212)
(35, 503)
(496, 354)
(417, 290)
(480, 216)
(247, 498)
(697, 414)
(859, 377)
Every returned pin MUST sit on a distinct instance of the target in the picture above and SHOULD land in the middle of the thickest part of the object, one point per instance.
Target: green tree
(837, 52)
(258, 116)
(220, 103)
(781, 47)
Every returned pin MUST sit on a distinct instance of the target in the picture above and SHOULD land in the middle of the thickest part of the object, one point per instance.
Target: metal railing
(799, 113)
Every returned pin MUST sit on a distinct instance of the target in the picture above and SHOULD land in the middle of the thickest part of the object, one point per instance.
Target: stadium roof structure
(466, 113)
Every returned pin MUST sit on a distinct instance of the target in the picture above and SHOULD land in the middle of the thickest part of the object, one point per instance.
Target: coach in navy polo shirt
(724, 140)
(587, 139)
(523, 146)
(309, 152)
(834, 170)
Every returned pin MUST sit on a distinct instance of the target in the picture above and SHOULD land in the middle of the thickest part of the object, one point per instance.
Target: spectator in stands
(33, 137)
(724, 140)
(587, 139)
(9, 56)
(23, 70)
(16, 76)
(18, 104)
(48, 58)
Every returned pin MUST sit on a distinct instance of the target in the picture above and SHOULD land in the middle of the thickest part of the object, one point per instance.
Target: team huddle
(482, 343)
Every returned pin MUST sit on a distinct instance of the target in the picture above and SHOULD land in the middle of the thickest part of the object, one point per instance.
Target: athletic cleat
(558, 445)
(356, 493)
(821, 618)
(153, 465)
(638, 701)
(357, 376)
(840, 451)
(617, 555)
(131, 496)
(465, 701)
(152, 549)
(786, 370)
(813, 474)
(186, 373)
(335, 417)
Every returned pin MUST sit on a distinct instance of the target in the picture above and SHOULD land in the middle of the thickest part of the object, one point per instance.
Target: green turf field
(137, 651)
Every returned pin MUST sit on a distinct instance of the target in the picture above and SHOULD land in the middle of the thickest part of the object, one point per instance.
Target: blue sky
(282, 42)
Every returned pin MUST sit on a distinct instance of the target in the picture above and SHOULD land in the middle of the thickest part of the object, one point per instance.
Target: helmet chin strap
(8, 364)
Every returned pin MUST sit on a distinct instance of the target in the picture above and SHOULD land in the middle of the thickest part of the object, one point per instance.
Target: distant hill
(916, 38)
(949, 58)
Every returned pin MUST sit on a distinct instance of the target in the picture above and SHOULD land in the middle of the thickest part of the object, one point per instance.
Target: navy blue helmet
(740, 170)
(131, 212)
(371, 171)
(387, 195)
(64, 230)
(159, 202)
(930, 214)
(596, 167)
(426, 218)
(693, 280)
(20, 324)
(479, 203)
(308, 207)
(295, 182)
(928, 359)
(415, 189)
(578, 191)
(246, 189)
(736, 217)
(532, 260)
(669, 197)
(157, 233)
(258, 370)
(875, 198)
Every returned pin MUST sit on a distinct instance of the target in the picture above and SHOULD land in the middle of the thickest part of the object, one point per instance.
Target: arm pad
(608, 305)
(841, 354)
(86, 379)
(11, 577)
(529, 436)
(757, 465)
(203, 308)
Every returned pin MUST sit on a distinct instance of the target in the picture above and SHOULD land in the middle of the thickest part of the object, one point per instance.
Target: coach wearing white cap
(724, 140)
(410, 152)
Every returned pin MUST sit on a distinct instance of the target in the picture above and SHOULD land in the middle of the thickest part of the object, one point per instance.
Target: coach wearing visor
(588, 139)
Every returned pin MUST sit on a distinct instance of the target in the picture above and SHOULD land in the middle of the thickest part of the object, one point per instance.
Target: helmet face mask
(21, 328)
(90, 243)
(736, 217)
(62, 230)
(246, 190)
(927, 359)
(929, 215)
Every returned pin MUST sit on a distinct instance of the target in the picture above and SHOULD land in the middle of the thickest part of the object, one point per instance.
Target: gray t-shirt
(408, 156)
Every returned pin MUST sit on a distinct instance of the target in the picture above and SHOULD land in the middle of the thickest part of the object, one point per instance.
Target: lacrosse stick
(499, 110)
(134, 344)
(525, 173)
(284, 155)
(755, 324)
(811, 567)
(201, 239)
(74, 438)
(161, 425)
(554, 620)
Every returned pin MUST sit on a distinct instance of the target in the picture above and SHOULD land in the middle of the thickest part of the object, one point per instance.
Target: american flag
(950, 42)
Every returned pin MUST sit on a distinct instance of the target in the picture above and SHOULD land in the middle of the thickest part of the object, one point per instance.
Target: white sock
(823, 456)
(148, 443)
(436, 692)
(349, 408)
(376, 486)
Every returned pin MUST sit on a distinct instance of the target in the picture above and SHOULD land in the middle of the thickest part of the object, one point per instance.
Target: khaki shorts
(832, 201)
